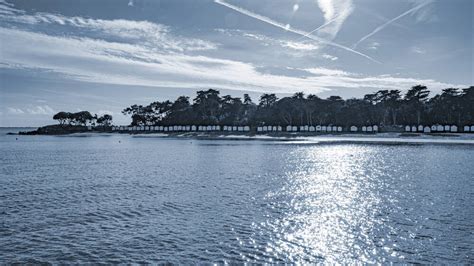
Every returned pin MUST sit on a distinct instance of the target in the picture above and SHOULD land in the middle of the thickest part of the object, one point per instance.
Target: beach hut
(407, 128)
(240, 129)
(279, 128)
(375, 128)
(334, 128)
(439, 128)
(420, 128)
(311, 129)
(301, 128)
(295, 129)
(147, 128)
(225, 128)
(209, 128)
(229, 128)
(323, 128)
(427, 130)
(447, 128)
(328, 128)
(130, 128)
(142, 128)
(193, 128)
(259, 129)
(467, 129)
(318, 128)
(369, 129)
(288, 128)
(234, 128)
(306, 128)
(413, 129)
(364, 129)
(187, 128)
(246, 128)
(166, 129)
(339, 129)
(433, 128)
(353, 129)
(264, 128)
(275, 128)
(218, 128)
(472, 128)
(454, 128)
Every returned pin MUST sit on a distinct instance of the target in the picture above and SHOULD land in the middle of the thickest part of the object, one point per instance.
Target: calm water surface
(134, 199)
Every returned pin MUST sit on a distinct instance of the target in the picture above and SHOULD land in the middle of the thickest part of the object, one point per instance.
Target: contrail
(320, 27)
(285, 27)
(381, 27)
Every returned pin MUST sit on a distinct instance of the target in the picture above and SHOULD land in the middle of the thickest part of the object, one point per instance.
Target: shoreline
(395, 138)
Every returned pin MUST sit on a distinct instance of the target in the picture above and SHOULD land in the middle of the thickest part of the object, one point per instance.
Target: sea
(112, 198)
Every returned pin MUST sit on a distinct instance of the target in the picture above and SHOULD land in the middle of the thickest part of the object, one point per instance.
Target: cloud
(40, 110)
(15, 111)
(384, 25)
(130, 3)
(330, 57)
(156, 36)
(290, 29)
(335, 13)
(373, 46)
(418, 50)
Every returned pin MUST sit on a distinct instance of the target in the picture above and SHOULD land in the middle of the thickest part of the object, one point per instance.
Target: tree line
(384, 107)
(82, 118)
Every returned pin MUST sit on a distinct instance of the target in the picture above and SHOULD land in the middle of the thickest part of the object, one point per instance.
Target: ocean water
(132, 199)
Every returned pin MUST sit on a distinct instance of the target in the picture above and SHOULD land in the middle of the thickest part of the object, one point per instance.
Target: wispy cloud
(335, 13)
(384, 25)
(330, 57)
(290, 29)
(15, 111)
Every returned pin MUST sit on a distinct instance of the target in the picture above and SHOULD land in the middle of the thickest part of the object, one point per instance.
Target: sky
(105, 55)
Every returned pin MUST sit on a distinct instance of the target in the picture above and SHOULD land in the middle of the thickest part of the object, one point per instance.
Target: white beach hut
(447, 128)
(234, 128)
(142, 128)
(433, 128)
(275, 128)
(439, 128)
(334, 128)
(369, 129)
(323, 128)
(279, 128)
(193, 128)
(246, 128)
(295, 129)
(420, 128)
(306, 128)
(467, 129)
(241, 129)
(427, 130)
(209, 128)
(454, 128)
(328, 128)
(472, 128)
(318, 128)
(407, 128)
(188, 128)
(301, 128)
(364, 129)
(147, 128)
(218, 128)
(288, 128)
(264, 128)
(229, 128)
(225, 128)
(165, 129)
(259, 129)
(353, 129)
(311, 129)
(413, 129)
(339, 129)
(376, 128)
